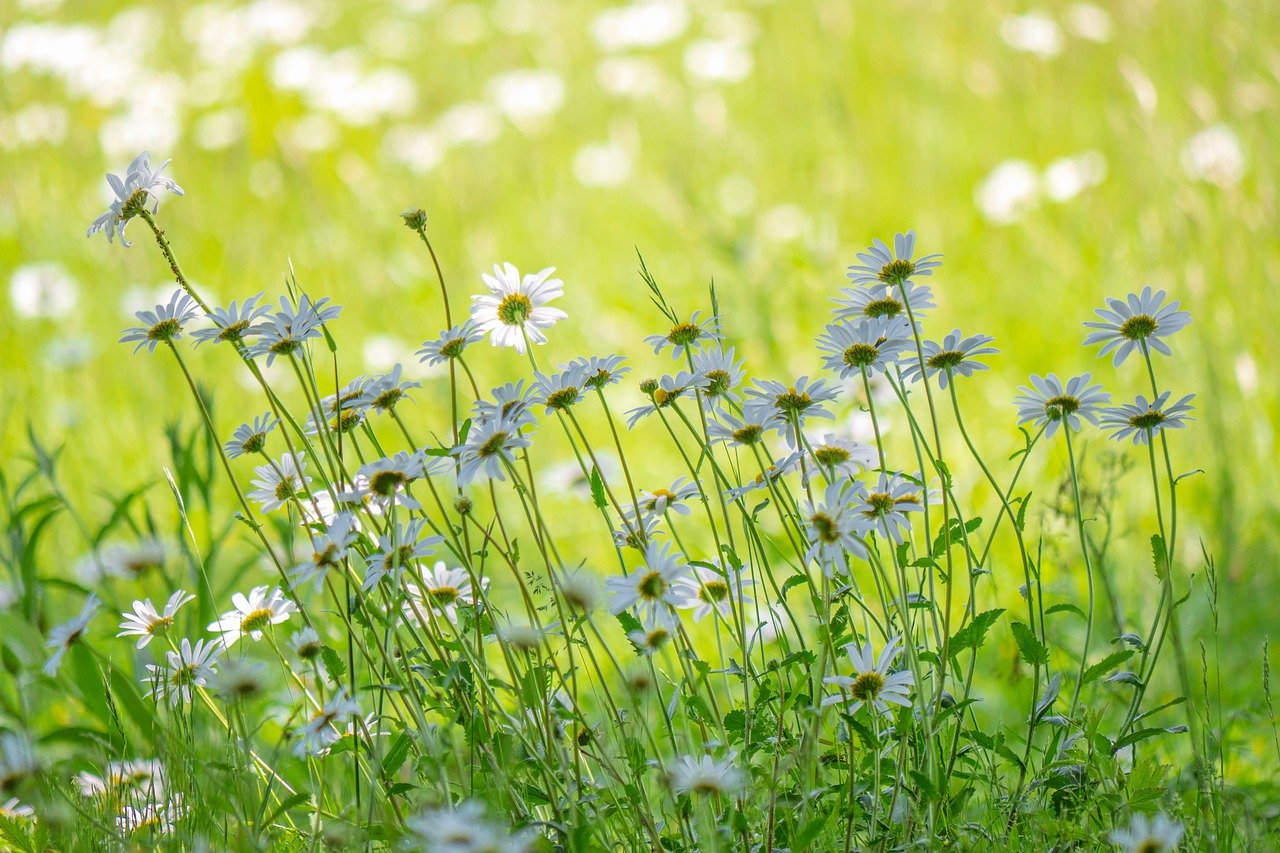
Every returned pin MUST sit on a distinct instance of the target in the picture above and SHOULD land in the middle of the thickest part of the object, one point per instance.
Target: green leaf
(396, 754)
(1065, 608)
(1159, 555)
(333, 662)
(1105, 665)
(1021, 521)
(972, 635)
(597, 488)
(809, 832)
(1143, 734)
(1033, 651)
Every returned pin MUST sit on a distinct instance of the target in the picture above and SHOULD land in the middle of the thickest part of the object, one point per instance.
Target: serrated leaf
(333, 662)
(971, 636)
(1159, 555)
(1033, 651)
(597, 488)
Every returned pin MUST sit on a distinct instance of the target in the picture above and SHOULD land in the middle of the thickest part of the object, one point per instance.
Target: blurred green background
(1056, 153)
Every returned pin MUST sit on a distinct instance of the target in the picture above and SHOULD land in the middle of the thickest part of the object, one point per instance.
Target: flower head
(328, 549)
(659, 501)
(651, 587)
(723, 372)
(387, 480)
(284, 332)
(490, 445)
(253, 615)
(705, 775)
(885, 505)
(873, 681)
(794, 403)
(382, 393)
(1148, 835)
(251, 437)
(146, 623)
(740, 433)
(686, 336)
(63, 637)
(233, 322)
(706, 589)
(884, 302)
(322, 731)
(880, 264)
(278, 483)
(394, 555)
(665, 392)
(444, 590)
(450, 344)
(561, 390)
(599, 371)
(163, 325)
(187, 667)
(515, 309)
(511, 402)
(465, 829)
(834, 528)
(1139, 321)
(1049, 403)
(951, 358)
(868, 346)
(1142, 420)
(141, 184)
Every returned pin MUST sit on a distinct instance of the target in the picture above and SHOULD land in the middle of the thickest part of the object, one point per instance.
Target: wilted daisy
(394, 554)
(328, 549)
(146, 623)
(240, 679)
(516, 308)
(880, 264)
(141, 184)
(511, 403)
(443, 591)
(686, 336)
(884, 302)
(63, 637)
(1148, 835)
(251, 437)
(278, 483)
(284, 332)
(659, 501)
(465, 829)
(560, 391)
(382, 393)
(651, 587)
(886, 504)
(450, 344)
(730, 429)
(705, 775)
(723, 372)
(189, 666)
(873, 682)
(870, 346)
(1048, 402)
(322, 730)
(306, 643)
(1131, 322)
(793, 403)
(253, 614)
(664, 392)
(18, 760)
(388, 479)
(233, 322)
(1142, 419)
(706, 589)
(489, 446)
(162, 325)
(599, 371)
(951, 358)
(833, 527)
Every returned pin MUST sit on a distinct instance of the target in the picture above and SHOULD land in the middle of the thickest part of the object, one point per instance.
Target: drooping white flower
(885, 505)
(650, 588)
(834, 528)
(233, 322)
(253, 614)
(661, 501)
(284, 332)
(326, 725)
(250, 437)
(18, 760)
(490, 446)
(884, 302)
(869, 345)
(450, 344)
(123, 778)
(146, 623)
(953, 357)
(1142, 419)
(278, 483)
(705, 775)
(382, 393)
(465, 829)
(141, 184)
(705, 590)
(794, 403)
(516, 308)
(63, 637)
(328, 549)
(873, 681)
(686, 336)
(396, 553)
(665, 392)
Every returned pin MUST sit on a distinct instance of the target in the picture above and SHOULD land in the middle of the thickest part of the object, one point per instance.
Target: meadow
(665, 158)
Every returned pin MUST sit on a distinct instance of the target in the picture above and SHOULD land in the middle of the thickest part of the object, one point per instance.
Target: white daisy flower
(382, 393)
(253, 614)
(342, 411)
(18, 760)
(636, 533)
(465, 829)
(278, 483)
(118, 560)
(834, 528)
(794, 403)
(326, 726)
(730, 429)
(516, 308)
(305, 643)
(490, 444)
(884, 302)
(146, 623)
(873, 681)
(1049, 403)
(723, 374)
(705, 775)
(144, 776)
(511, 402)
(150, 818)
(871, 345)
(1142, 419)
(444, 590)
(162, 325)
(761, 481)
(1148, 835)
(1130, 322)
(394, 555)
(706, 589)
(599, 371)
(686, 336)
(951, 358)
(650, 638)
(13, 809)
(389, 479)
(63, 637)
(664, 392)
(450, 344)
(885, 505)
(284, 332)
(880, 264)
(233, 322)
(251, 437)
(659, 501)
(650, 588)
(560, 391)
(189, 666)
(140, 184)
(240, 679)
(328, 549)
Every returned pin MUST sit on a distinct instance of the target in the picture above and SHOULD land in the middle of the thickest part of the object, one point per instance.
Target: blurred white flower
(718, 61)
(604, 165)
(527, 96)
(646, 23)
(1214, 155)
(1067, 177)
(1089, 22)
(1035, 33)
(1006, 194)
(43, 290)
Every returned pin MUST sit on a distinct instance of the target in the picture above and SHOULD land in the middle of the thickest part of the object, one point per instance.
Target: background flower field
(1055, 154)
